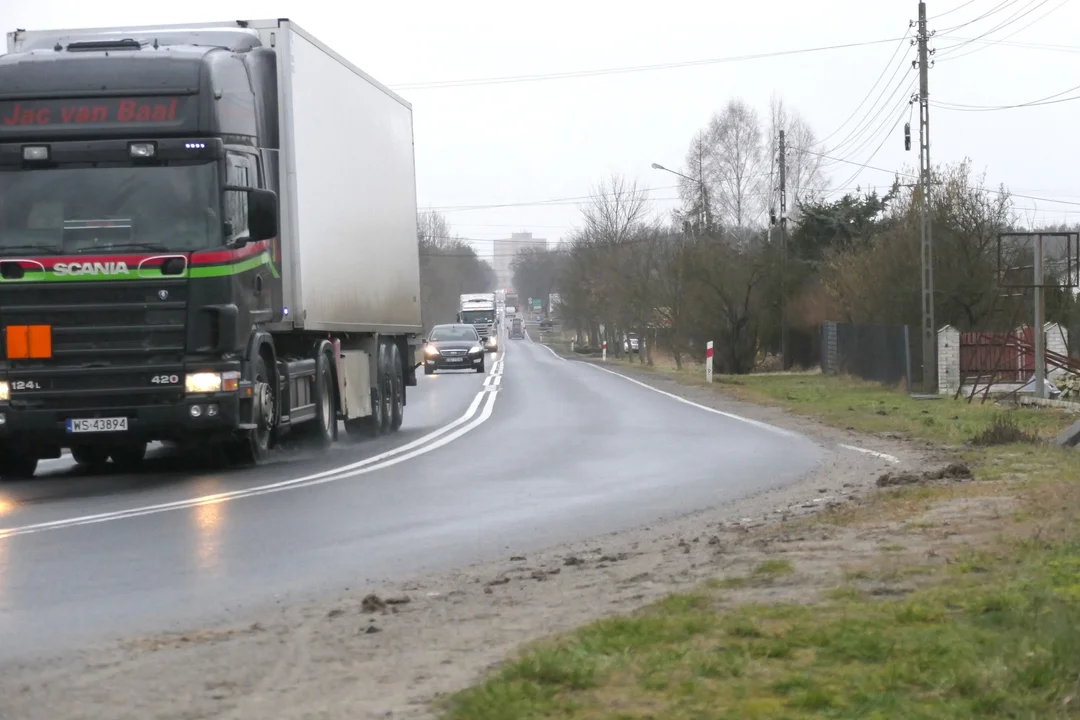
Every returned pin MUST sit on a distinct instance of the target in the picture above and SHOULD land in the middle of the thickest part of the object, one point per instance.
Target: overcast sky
(493, 143)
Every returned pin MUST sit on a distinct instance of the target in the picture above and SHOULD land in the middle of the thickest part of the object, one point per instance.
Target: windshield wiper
(124, 246)
(37, 249)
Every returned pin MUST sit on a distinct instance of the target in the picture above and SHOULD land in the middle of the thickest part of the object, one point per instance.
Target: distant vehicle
(545, 324)
(630, 343)
(517, 329)
(453, 347)
(478, 310)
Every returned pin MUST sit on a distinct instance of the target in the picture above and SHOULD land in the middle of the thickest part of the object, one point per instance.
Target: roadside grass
(991, 632)
(999, 639)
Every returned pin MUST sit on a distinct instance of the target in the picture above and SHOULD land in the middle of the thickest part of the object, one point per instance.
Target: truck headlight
(203, 382)
(5, 391)
(210, 382)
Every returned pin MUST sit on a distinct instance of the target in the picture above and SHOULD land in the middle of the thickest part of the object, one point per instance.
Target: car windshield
(452, 333)
(478, 316)
(97, 209)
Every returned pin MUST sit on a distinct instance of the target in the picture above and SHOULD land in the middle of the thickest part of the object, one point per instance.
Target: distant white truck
(478, 310)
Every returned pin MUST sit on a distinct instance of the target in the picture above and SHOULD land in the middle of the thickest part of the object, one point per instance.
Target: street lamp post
(701, 187)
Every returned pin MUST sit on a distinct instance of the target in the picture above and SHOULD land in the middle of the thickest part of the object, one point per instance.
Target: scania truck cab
(153, 285)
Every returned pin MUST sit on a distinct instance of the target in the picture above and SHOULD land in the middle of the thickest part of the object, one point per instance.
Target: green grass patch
(871, 407)
(1000, 638)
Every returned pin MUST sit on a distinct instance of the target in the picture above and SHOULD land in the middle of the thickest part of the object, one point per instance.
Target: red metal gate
(998, 355)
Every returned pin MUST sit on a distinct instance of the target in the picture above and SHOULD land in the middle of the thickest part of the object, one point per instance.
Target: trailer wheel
(397, 395)
(325, 412)
(92, 457)
(386, 381)
(15, 466)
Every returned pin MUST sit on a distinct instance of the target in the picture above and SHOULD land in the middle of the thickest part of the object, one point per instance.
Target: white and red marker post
(603, 352)
(708, 362)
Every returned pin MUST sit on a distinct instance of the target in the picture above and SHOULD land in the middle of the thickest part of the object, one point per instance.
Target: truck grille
(109, 341)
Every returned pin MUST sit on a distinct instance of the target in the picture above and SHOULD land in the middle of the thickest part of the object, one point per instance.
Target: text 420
(165, 379)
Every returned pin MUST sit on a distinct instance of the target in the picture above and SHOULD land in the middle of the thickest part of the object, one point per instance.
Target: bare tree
(738, 165)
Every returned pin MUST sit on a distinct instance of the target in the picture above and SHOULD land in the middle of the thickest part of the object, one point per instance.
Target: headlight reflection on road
(207, 519)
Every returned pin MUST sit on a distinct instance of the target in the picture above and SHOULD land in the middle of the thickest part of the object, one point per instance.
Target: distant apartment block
(504, 252)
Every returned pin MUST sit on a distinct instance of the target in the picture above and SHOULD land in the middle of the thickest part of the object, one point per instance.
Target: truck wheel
(397, 396)
(93, 457)
(386, 381)
(14, 466)
(325, 430)
(129, 457)
(253, 445)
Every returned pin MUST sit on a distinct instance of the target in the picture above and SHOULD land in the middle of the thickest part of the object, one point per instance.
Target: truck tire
(15, 466)
(92, 457)
(129, 457)
(397, 381)
(325, 425)
(386, 381)
(253, 445)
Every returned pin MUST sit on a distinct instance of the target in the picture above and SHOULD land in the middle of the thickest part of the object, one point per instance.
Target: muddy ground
(388, 651)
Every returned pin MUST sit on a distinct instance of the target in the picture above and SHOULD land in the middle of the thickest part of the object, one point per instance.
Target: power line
(871, 90)
(897, 107)
(958, 7)
(1002, 40)
(913, 176)
(1048, 100)
(575, 200)
(436, 84)
(996, 9)
(945, 51)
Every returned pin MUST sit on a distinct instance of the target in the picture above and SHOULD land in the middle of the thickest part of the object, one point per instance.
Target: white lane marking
(875, 453)
(391, 457)
(731, 416)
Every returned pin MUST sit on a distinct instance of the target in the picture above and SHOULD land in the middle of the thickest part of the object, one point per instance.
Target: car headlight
(431, 351)
(5, 391)
(202, 382)
(475, 349)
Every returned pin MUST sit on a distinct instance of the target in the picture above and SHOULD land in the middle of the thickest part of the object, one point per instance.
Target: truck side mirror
(262, 214)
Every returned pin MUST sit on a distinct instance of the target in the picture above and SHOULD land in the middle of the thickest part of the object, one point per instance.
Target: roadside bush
(1003, 430)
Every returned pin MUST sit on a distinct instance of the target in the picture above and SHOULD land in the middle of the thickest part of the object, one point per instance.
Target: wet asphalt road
(538, 451)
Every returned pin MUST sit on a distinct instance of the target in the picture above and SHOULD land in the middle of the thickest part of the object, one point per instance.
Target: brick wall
(948, 360)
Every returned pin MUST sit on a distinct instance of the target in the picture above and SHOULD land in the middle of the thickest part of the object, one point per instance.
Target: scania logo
(91, 268)
(163, 294)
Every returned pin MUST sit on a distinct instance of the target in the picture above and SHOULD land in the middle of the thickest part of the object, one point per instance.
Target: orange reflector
(29, 341)
(41, 341)
(18, 342)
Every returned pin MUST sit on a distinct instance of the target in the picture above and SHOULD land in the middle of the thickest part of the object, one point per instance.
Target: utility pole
(929, 332)
(783, 254)
(1040, 321)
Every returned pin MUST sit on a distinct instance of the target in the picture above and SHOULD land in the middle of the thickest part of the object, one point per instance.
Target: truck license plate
(83, 425)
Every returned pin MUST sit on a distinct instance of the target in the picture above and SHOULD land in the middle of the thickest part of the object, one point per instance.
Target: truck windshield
(101, 209)
(477, 317)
